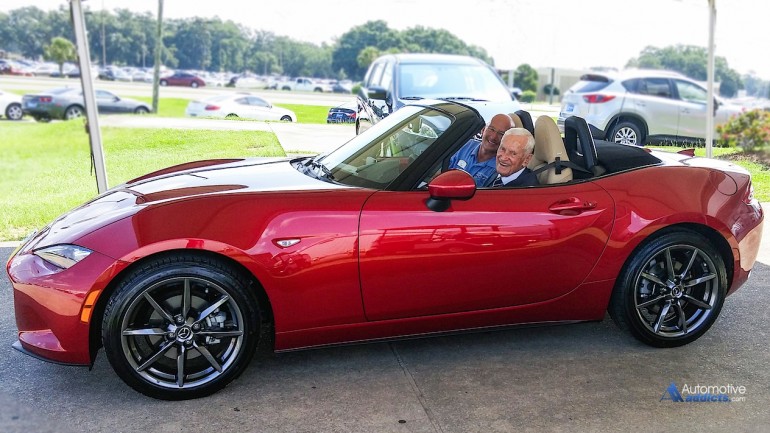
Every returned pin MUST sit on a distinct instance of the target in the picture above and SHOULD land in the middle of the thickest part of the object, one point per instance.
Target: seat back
(526, 121)
(548, 146)
(580, 144)
(516, 120)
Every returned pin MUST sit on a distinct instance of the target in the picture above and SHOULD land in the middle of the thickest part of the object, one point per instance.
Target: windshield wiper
(313, 163)
(412, 98)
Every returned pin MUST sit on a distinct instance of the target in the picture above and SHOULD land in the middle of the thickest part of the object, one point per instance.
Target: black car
(394, 80)
(343, 113)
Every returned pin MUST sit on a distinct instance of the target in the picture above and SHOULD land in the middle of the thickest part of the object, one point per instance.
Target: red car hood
(176, 183)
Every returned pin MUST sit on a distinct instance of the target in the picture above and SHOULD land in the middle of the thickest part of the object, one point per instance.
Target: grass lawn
(47, 168)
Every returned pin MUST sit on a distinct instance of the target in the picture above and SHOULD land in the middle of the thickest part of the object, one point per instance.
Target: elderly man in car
(477, 158)
(512, 157)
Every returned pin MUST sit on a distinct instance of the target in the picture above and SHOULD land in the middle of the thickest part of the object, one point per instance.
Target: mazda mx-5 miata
(180, 274)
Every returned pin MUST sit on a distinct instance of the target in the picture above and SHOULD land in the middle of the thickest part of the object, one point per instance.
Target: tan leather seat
(548, 146)
(517, 123)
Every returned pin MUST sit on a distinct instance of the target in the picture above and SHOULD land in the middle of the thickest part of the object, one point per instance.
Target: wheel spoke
(653, 278)
(651, 302)
(206, 354)
(186, 298)
(661, 317)
(669, 264)
(697, 302)
(213, 307)
(221, 334)
(155, 357)
(682, 318)
(697, 281)
(180, 358)
(689, 265)
(146, 331)
(158, 308)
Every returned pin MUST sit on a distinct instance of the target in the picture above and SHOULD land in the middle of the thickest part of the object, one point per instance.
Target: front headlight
(63, 256)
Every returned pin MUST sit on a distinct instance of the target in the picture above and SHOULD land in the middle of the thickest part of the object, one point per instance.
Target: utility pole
(158, 48)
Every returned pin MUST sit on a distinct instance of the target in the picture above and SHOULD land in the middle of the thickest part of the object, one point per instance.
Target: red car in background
(182, 79)
(180, 274)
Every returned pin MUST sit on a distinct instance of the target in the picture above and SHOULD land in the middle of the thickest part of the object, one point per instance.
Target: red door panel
(501, 248)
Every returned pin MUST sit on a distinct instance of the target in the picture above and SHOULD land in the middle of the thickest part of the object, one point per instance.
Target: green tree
(367, 56)
(691, 61)
(61, 50)
(525, 77)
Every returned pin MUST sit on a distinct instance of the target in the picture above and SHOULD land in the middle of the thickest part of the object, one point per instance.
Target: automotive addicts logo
(704, 393)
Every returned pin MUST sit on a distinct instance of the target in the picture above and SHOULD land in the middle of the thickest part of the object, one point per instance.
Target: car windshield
(379, 155)
(433, 81)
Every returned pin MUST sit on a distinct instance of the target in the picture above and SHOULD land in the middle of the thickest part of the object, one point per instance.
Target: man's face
(493, 133)
(511, 155)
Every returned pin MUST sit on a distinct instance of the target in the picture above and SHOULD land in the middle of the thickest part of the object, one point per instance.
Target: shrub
(749, 130)
(528, 96)
(547, 90)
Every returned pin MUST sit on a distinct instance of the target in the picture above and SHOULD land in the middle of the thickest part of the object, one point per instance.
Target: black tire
(286, 119)
(627, 132)
(14, 111)
(141, 110)
(671, 290)
(74, 112)
(231, 116)
(212, 341)
(163, 83)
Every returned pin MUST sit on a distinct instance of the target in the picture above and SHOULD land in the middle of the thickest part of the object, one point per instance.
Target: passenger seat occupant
(478, 157)
(514, 154)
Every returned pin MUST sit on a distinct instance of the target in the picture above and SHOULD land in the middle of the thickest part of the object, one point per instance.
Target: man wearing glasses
(476, 157)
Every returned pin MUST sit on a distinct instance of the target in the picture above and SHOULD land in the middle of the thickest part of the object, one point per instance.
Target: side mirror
(377, 93)
(448, 186)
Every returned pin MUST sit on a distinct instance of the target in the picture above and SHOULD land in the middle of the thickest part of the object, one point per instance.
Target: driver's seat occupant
(477, 158)
(513, 155)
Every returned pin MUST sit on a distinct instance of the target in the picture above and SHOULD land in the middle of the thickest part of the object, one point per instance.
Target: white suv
(641, 106)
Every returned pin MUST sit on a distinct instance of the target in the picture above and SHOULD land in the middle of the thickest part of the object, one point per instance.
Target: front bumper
(52, 315)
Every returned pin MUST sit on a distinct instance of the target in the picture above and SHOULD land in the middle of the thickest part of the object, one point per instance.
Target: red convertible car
(180, 274)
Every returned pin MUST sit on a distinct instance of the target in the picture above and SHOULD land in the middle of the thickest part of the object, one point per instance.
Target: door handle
(571, 206)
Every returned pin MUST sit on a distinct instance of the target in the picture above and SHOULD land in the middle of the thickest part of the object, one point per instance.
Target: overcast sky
(542, 33)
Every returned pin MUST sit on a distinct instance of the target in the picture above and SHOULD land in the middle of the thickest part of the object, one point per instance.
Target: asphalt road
(587, 377)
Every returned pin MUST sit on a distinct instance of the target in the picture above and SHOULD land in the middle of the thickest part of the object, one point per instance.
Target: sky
(542, 33)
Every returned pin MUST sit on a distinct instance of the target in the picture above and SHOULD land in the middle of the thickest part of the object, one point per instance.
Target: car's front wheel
(73, 112)
(671, 290)
(141, 110)
(627, 132)
(194, 84)
(163, 83)
(286, 118)
(181, 327)
(14, 111)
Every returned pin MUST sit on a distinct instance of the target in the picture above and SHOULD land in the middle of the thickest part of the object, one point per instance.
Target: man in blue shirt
(477, 158)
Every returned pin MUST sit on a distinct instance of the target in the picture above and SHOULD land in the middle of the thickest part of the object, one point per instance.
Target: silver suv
(642, 106)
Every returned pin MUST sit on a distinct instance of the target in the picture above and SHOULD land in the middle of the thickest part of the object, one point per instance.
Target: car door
(260, 109)
(693, 108)
(654, 101)
(501, 248)
(106, 102)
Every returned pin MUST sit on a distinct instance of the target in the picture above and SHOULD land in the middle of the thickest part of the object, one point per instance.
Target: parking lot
(569, 378)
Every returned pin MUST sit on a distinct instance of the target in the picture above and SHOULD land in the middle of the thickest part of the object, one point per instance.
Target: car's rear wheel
(141, 110)
(627, 132)
(73, 112)
(671, 290)
(163, 83)
(14, 111)
(181, 327)
(286, 118)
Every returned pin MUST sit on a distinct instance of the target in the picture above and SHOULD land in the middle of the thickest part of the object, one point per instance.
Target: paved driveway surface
(587, 377)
